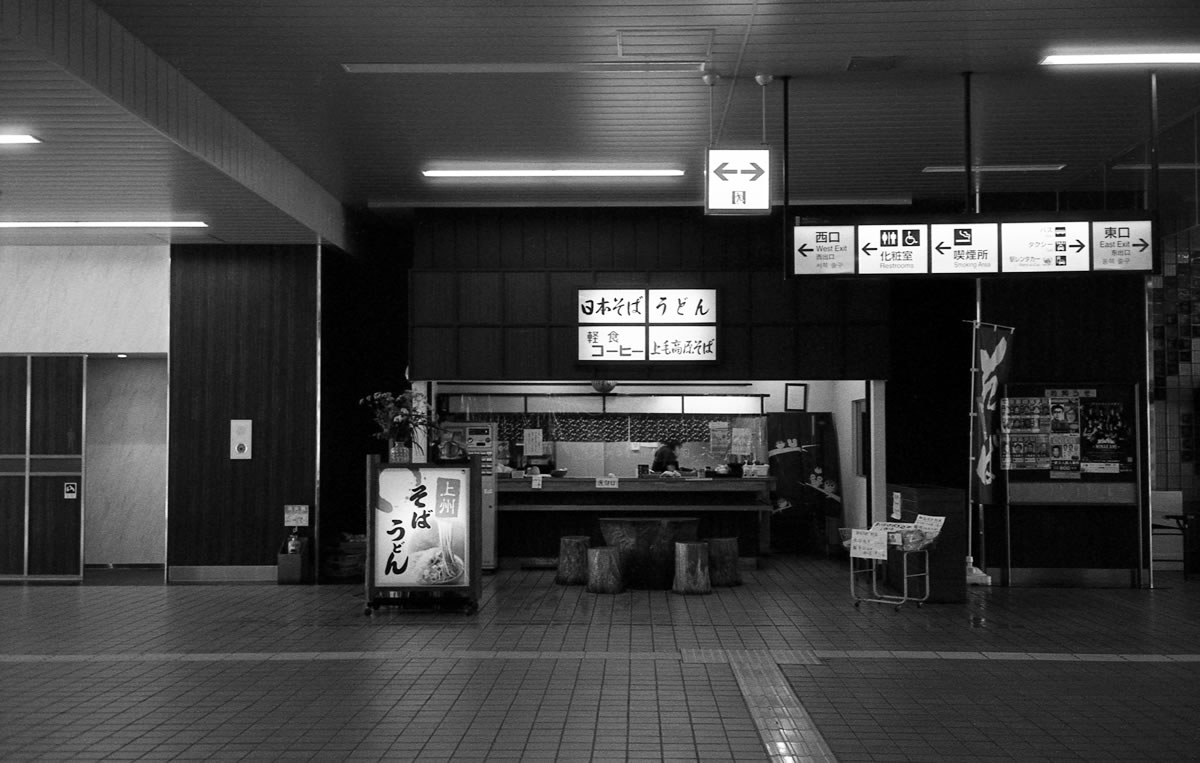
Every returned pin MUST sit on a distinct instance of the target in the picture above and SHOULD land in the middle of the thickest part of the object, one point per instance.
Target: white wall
(84, 299)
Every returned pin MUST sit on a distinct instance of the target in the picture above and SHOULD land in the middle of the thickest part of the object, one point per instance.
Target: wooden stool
(723, 562)
(604, 570)
(572, 560)
(691, 568)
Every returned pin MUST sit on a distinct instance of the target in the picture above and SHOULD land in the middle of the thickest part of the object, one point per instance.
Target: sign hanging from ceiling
(973, 248)
(647, 325)
(737, 181)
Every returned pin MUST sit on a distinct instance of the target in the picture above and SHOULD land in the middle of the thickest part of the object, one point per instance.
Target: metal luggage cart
(866, 557)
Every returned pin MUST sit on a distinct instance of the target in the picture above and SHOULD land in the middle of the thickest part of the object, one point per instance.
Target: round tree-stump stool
(572, 560)
(691, 568)
(723, 562)
(604, 570)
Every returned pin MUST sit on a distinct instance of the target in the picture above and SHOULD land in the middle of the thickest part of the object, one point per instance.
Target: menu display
(971, 247)
(647, 325)
(422, 526)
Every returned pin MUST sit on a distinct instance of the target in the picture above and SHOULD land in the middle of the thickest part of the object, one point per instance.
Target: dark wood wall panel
(12, 525)
(243, 346)
(56, 406)
(567, 249)
(55, 524)
(12, 405)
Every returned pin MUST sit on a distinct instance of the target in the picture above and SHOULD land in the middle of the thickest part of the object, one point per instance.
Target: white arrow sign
(738, 181)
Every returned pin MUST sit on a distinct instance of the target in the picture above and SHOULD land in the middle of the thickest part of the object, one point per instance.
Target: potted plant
(396, 416)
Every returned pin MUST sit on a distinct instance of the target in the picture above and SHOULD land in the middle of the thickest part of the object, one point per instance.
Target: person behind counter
(666, 457)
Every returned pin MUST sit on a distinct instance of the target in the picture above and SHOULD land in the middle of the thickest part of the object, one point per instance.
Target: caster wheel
(856, 604)
(367, 611)
(897, 607)
(920, 604)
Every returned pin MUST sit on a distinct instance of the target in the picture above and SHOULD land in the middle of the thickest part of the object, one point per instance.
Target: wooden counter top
(638, 485)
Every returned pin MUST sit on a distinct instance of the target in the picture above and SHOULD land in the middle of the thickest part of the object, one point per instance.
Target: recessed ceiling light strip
(1121, 59)
(107, 224)
(536, 173)
(12, 139)
(996, 168)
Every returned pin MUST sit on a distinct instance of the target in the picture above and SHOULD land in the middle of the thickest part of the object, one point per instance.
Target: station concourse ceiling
(276, 121)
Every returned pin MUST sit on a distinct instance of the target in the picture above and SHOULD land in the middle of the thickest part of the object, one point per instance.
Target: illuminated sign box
(973, 247)
(647, 325)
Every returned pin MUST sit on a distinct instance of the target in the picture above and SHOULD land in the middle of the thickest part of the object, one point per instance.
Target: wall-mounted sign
(647, 325)
(295, 515)
(973, 247)
(738, 181)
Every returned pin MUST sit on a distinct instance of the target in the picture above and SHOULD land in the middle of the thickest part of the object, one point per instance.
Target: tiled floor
(782, 668)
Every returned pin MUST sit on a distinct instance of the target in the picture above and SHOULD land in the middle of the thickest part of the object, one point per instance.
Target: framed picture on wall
(796, 397)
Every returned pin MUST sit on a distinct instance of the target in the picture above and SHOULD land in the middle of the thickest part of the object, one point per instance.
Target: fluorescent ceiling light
(519, 67)
(1118, 59)
(1143, 166)
(107, 224)
(531, 173)
(11, 138)
(996, 168)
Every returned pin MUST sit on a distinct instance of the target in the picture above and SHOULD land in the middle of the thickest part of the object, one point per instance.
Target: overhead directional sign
(823, 250)
(1122, 245)
(893, 249)
(973, 247)
(738, 181)
(964, 248)
(1058, 247)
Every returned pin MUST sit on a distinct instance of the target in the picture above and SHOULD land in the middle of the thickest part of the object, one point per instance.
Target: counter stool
(723, 562)
(691, 568)
(572, 560)
(604, 570)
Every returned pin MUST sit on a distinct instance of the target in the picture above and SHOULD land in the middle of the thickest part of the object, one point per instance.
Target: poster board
(424, 533)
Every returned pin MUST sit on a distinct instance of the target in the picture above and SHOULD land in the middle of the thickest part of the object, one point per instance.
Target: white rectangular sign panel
(1122, 245)
(615, 342)
(738, 181)
(1054, 247)
(612, 306)
(683, 306)
(964, 248)
(682, 342)
(823, 250)
(893, 249)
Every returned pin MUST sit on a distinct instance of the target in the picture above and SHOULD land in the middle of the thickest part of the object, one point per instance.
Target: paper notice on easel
(931, 526)
(533, 442)
(742, 443)
(718, 439)
(868, 544)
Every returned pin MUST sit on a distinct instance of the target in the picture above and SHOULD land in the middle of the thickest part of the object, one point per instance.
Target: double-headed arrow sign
(721, 172)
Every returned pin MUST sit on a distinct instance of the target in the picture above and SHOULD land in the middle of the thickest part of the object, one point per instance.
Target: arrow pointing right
(1078, 245)
(1142, 244)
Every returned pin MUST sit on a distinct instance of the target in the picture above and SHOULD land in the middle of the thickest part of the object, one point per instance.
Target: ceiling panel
(854, 132)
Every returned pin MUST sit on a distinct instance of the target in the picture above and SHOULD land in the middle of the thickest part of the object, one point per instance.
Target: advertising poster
(1025, 415)
(422, 527)
(1106, 437)
(1064, 414)
(1064, 456)
(719, 438)
(1026, 451)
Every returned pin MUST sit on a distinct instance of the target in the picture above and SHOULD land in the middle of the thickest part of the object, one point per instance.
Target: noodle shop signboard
(424, 528)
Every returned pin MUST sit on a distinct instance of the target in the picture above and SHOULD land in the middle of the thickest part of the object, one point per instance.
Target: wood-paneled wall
(493, 295)
(243, 346)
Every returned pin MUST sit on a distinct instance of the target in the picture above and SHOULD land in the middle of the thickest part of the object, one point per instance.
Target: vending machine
(460, 440)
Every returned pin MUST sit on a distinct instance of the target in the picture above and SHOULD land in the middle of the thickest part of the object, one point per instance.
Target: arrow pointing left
(803, 250)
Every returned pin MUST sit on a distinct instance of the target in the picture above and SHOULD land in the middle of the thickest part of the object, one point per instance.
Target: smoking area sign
(738, 181)
(964, 248)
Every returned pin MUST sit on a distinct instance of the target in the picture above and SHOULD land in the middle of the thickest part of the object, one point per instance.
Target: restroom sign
(738, 181)
(893, 249)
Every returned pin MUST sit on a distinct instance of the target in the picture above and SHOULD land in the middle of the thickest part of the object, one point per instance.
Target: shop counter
(531, 520)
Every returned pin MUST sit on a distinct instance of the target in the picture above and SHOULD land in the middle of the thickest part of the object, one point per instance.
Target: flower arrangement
(397, 415)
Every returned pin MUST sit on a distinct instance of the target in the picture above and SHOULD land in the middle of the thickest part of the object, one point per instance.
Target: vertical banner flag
(993, 345)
